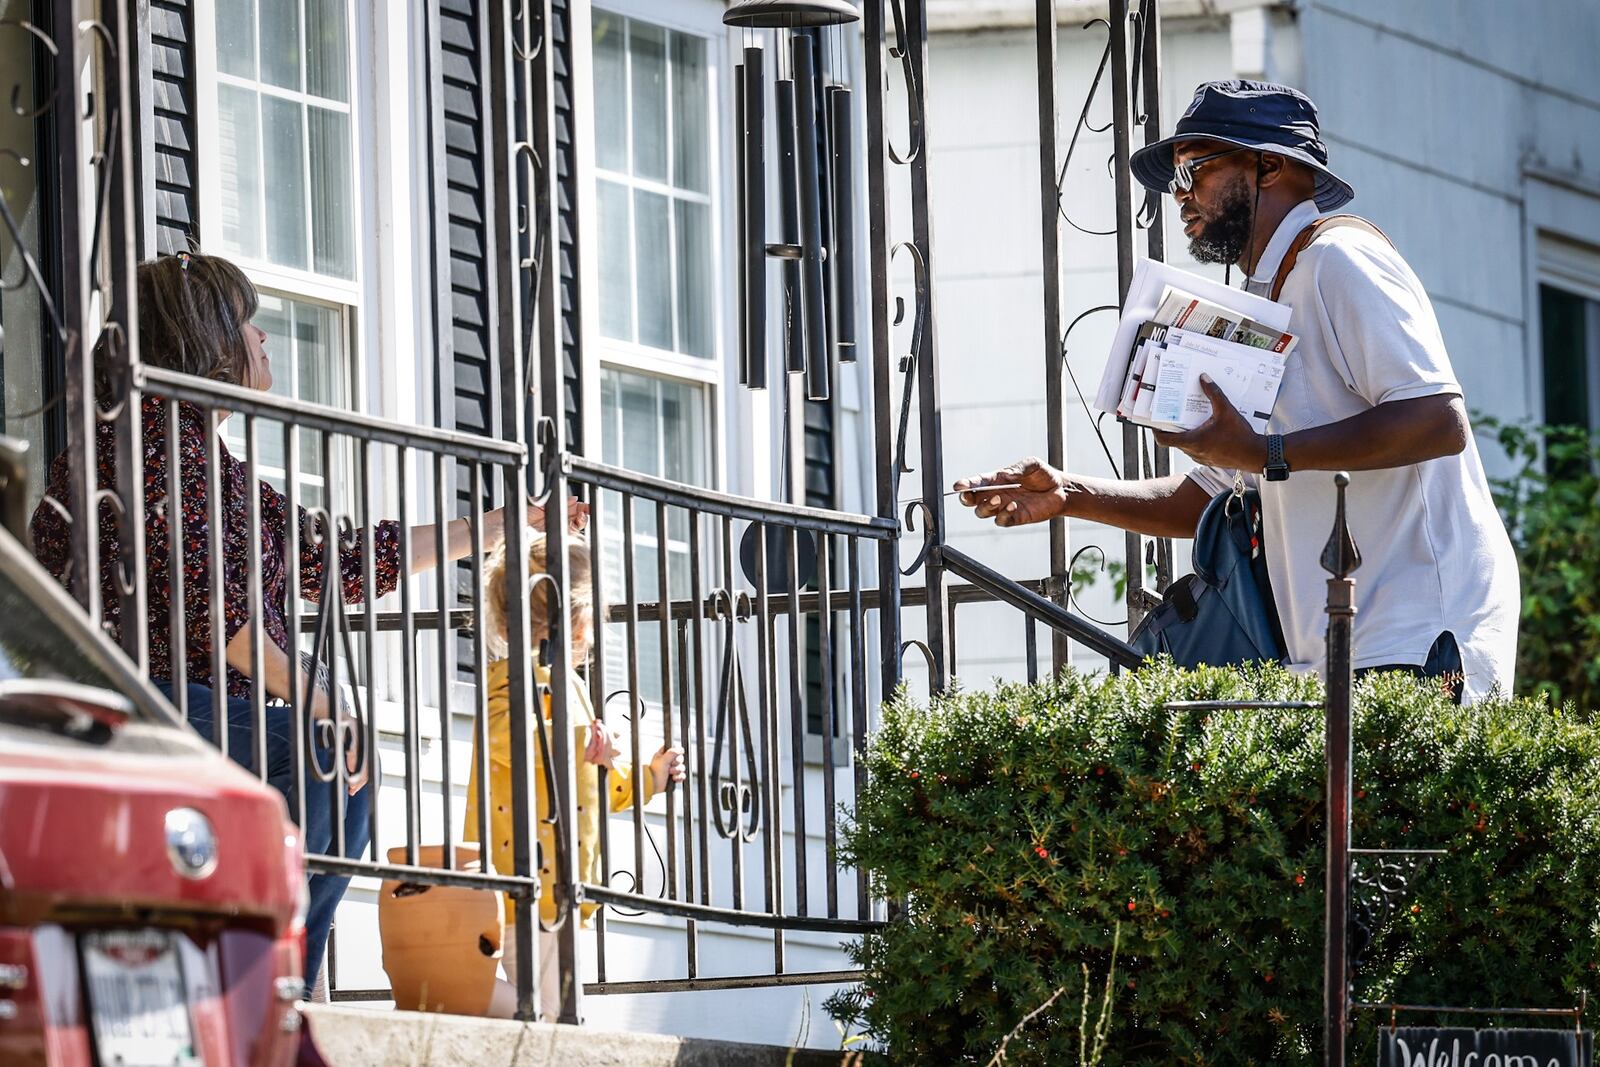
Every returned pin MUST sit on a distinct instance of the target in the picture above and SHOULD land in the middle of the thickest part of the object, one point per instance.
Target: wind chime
(818, 266)
(815, 244)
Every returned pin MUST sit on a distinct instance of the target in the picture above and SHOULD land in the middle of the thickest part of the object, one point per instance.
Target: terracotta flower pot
(441, 944)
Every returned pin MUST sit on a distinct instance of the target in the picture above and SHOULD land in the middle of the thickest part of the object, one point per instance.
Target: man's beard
(1223, 239)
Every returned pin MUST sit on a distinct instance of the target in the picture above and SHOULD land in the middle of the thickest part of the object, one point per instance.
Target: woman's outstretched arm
(458, 533)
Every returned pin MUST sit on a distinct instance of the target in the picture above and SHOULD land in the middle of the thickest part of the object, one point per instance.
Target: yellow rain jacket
(619, 780)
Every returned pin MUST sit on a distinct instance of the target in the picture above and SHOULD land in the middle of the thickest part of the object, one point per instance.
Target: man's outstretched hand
(1042, 493)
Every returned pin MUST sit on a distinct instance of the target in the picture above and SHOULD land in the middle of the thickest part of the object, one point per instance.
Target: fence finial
(1340, 556)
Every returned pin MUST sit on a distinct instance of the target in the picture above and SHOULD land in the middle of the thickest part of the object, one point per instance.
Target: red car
(151, 892)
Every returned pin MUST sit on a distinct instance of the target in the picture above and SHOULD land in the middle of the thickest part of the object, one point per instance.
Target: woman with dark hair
(195, 316)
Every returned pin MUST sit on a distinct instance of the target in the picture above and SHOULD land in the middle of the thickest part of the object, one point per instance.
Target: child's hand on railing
(602, 750)
(666, 767)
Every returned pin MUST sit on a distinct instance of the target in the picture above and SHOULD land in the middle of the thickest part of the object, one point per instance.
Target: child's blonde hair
(580, 594)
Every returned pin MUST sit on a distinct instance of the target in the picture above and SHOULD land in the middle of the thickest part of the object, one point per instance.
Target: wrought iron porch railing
(793, 618)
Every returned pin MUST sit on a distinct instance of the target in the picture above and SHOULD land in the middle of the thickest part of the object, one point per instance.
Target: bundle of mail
(1176, 327)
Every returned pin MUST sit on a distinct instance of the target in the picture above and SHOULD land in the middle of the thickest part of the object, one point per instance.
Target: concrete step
(371, 1037)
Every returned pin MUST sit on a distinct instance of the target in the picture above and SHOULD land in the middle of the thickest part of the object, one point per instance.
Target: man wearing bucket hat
(1369, 388)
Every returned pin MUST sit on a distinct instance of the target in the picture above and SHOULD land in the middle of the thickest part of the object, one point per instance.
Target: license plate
(137, 1000)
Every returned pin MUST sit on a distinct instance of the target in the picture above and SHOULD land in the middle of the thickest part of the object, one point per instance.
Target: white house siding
(1467, 128)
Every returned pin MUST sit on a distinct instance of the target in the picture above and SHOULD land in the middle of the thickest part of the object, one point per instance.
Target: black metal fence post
(1339, 558)
(505, 322)
(1044, 30)
(1122, 119)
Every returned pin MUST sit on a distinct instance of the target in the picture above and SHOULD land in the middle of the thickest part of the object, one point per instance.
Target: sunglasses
(1183, 173)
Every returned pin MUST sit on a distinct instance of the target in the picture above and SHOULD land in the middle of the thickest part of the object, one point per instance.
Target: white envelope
(1250, 378)
(1150, 280)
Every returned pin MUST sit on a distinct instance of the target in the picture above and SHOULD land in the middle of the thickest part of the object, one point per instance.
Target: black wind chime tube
(741, 249)
(842, 253)
(789, 212)
(813, 291)
(753, 217)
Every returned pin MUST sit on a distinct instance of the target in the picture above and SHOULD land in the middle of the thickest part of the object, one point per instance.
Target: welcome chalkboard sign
(1420, 1046)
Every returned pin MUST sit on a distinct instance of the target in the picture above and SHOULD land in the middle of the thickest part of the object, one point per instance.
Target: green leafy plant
(1022, 829)
(1551, 505)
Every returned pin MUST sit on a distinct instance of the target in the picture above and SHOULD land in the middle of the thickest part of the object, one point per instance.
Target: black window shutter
(171, 113)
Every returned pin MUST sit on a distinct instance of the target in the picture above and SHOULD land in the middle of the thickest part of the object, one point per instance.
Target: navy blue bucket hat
(1260, 115)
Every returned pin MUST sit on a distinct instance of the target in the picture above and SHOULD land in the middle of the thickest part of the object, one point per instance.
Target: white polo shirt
(1434, 553)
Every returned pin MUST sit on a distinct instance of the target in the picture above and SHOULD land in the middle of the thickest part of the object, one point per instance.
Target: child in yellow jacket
(595, 745)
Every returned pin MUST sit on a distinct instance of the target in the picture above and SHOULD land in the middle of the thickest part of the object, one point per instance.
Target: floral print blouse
(52, 544)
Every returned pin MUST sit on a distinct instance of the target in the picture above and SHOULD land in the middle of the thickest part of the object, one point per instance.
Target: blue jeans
(326, 890)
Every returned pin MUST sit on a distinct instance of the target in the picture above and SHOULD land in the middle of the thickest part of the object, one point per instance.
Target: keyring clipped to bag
(1223, 613)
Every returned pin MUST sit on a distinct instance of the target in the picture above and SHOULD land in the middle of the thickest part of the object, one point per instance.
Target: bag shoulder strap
(1311, 233)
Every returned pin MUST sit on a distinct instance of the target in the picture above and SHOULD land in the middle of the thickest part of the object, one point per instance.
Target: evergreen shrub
(1027, 829)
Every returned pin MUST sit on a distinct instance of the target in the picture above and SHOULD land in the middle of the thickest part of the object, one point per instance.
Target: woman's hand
(357, 761)
(345, 728)
(666, 767)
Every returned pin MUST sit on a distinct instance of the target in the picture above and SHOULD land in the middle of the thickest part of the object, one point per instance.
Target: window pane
(273, 317)
(332, 221)
(239, 175)
(236, 37)
(1562, 318)
(689, 105)
(327, 50)
(641, 449)
(280, 42)
(283, 144)
(683, 433)
(648, 46)
(616, 263)
(694, 278)
(316, 332)
(610, 93)
(652, 242)
(656, 427)
(318, 353)
(610, 436)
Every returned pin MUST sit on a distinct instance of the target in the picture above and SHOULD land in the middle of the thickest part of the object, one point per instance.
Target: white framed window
(1569, 331)
(277, 122)
(284, 134)
(655, 195)
(658, 333)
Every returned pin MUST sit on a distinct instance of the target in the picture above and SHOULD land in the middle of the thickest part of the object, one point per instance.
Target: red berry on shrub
(1043, 852)
(1132, 906)
(1132, 984)
(1299, 879)
(1416, 909)
(1100, 771)
(914, 774)
(1268, 976)
(1361, 794)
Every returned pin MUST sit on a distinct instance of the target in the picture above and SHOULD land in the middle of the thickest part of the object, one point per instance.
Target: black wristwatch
(1277, 469)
